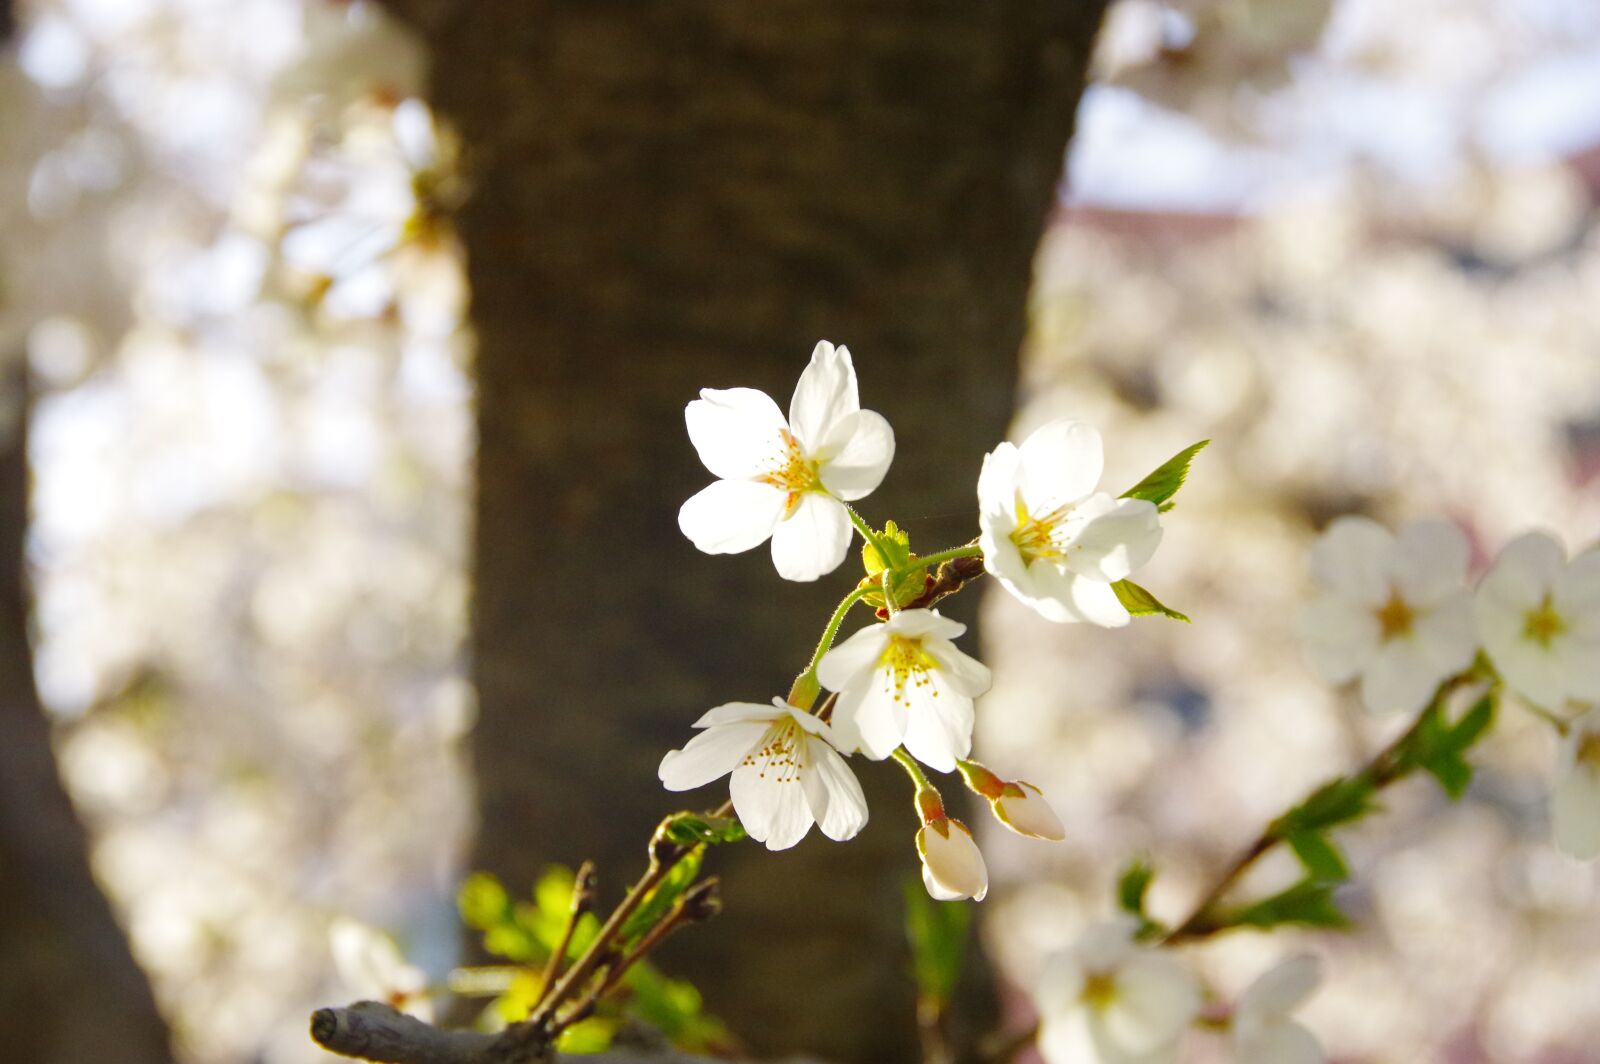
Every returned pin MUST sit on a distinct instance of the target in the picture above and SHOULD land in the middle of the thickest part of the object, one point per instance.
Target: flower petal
(938, 725)
(738, 432)
(1113, 544)
(922, 622)
(710, 755)
(998, 481)
(773, 810)
(1078, 598)
(813, 539)
(1340, 636)
(856, 455)
(869, 719)
(1352, 558)
(939, 891)
(1399, 679)
(1060, 462)
(835, 795)
(1430, 561)
(1157, 997)
(1283, 987)
(1526, 569)
(1285, 1042)
(1445, 635)
(953, 860)
(730, 516)
(732, 712)
(1029, 814)
(851, 662)
(965, 675)
(825, 394)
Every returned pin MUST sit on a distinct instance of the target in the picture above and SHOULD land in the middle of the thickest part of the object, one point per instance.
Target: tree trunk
(70, 992)
(676, 195)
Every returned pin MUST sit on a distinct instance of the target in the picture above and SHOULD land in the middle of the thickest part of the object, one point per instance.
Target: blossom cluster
(1397, 614)
(901, 688)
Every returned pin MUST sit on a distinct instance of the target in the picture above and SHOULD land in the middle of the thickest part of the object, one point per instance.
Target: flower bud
(952, 866)
(1022, 808)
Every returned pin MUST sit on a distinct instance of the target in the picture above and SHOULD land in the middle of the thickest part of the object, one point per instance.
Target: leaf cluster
(938, 933)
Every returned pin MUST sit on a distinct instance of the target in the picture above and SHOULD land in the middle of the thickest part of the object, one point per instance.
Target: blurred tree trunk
(70, 991)
(675, 195)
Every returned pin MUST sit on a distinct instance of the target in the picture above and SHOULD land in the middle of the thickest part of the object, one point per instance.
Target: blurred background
(344, 350)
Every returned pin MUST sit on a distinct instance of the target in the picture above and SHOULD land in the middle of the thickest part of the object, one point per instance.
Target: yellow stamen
(780, 753)
(1396, 617)
(1100, 990)
(1041, 536)
(793, 473)
(1543, 624)
(908, 664)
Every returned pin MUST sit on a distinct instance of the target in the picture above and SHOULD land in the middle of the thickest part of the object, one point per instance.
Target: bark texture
(675, 194)
(70, 992)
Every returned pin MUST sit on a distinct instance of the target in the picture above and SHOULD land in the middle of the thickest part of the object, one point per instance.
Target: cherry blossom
(1575, 801)
(1264, 1031)
(1109, 1000)
(1394, 610)
(952, 865)
(1020, 806)
(1049, 537)
(372, 967)
(787, 480)
(1539, 616)
(904, 682)
(786, 775)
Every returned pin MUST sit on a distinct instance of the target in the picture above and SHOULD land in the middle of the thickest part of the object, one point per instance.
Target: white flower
(786, 479)
(1395, 610)
(1575, 802)
(1020, 806)
(952, 864)
(1539, 616)
(371, 966)
(786, 776)
(1264, 1032)
(904, 682)
(1111, 1001)
(1049, 537)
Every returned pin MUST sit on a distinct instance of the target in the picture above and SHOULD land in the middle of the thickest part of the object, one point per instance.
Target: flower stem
(914, 770)
(967, 550)
(803, 693)
(866, 531)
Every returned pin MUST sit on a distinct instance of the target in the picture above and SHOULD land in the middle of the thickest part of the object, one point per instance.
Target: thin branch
(950, 577)
(583, 898)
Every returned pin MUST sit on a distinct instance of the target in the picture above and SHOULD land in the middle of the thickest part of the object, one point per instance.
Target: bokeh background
(1355, 243)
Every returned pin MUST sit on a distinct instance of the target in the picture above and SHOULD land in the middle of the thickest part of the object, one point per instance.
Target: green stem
(866, 531)
(969, 550)
(914, 770)
(804, 692)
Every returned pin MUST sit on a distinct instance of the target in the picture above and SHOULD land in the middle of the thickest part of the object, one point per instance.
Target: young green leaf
(662, 895)
(896, 544)
(1336, 802)
(1132, 884)
(937, 931)
(1439, 748)
(1308, 903)
(1319, 856)
(693, 829)
(1140, 603)
(1160, 486)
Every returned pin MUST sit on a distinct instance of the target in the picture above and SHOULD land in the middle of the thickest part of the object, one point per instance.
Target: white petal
(1283, 988)
(1351, 559)
(938, 728)
(1285, 1042)
(1108, 944)
(738, 432)
(825, 394)
(1080, 597)
(856, 456)
(835, 795)
(1445, 635)
(953, 859)
(1399, 679)
(730, 516)
(710, 755)
(1575, 814)
(869, 718)
(1577, 593)
(1579, 662)
(366, 959)
(414, 134)
(1121, 539)
(851, 662)
(732, 712)
(1030, 814)
(813, 540)
(1157, 997)
(773, 810)
(998, 481)
(1060, 462)
(1526, 569)
(1533, 671)
(1340, 637)
(916, 623)
(965, 675)
(939, 891)
(1060, 989)
(1430, 561)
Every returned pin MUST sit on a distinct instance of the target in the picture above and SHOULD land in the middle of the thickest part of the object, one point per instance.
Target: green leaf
(1439, 748)
(483, 902)
(937, 931)
(1320, 857)
(692, 829)
(592, 1035)
(1133, 883)
(662, 895)
(674, 1007)
(896, 544)
(1336, 802)
(1159, 487)
(1141, 603)
(1308, 903)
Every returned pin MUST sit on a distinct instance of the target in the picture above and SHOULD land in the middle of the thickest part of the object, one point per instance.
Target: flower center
(1396, 617)
(1100, 990)
(1043, 536)
(1543, 624)
(907, 664)
(792, 472)
(781, 754)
